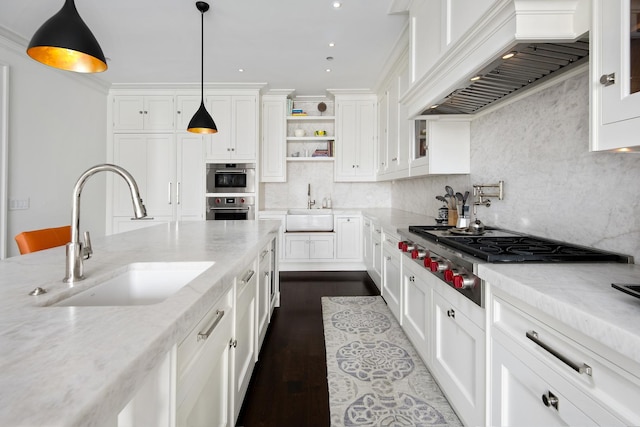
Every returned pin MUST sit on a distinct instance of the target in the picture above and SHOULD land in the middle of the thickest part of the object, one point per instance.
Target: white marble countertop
(578, 295)
(79, 366)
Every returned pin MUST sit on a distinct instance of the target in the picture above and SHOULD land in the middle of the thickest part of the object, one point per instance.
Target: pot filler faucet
(76, 251)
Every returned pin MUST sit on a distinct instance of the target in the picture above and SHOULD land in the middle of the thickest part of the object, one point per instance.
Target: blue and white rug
(375, 376)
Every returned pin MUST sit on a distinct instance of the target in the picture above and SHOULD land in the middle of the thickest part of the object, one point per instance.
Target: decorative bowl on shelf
(299, 133)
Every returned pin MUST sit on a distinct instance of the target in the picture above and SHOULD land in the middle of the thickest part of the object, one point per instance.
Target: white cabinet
(170, 177)
(349, 237)
(392, 275)
(244, 341)
(376, 267)
(442, 145)
(137, 112)
(186, 107)
(544, 369)
(458, 361)
(314, 246)
(615, 73)
(236, 117)
(264, 288)
(203, 362)
(416, 307)
(274, 131)
(355, 138)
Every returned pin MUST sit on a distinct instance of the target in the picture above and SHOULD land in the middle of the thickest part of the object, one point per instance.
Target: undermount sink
(141, 283)
(310, 220)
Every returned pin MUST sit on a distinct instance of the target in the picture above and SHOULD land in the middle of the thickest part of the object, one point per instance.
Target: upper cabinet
(355, 138)
(273, 167)
(615, 75)
(144, 113)
(441, 145)
(236, 118)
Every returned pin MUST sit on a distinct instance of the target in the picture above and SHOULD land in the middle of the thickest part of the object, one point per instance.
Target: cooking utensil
(476, 227)
(449, 190)
(442, 199)
(465, 197)
(460, 198)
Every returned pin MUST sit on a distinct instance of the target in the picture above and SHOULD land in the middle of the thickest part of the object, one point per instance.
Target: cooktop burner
(497, 245)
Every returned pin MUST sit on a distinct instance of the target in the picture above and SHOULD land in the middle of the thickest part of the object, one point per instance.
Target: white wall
(554, 187)
(57, 129)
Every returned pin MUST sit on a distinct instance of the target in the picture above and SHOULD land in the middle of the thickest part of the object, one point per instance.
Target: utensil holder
(453, 217)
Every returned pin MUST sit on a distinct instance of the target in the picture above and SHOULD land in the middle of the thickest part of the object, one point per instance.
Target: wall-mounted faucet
(482, 198)
(76, 250)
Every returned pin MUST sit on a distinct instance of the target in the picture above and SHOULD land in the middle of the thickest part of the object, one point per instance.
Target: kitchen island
(79, 366)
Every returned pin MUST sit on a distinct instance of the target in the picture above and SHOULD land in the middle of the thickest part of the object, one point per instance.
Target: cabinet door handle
(388, 258)
(581, 369)
(549, 399)
(248, 277)
(205, 335)
(178, 192)
(233, 343)
(451, 313)
(395, 159)
(608, 79)
(412, 278)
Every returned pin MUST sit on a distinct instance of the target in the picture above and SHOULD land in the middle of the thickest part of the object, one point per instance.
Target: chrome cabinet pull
(205, 335)
(451, 313)
(608, 79)
(581, 369)
(248, 277)
(169, 193)
(412, 278)
(262, 255)
(549, 399)
(233, 343)
(178, 192)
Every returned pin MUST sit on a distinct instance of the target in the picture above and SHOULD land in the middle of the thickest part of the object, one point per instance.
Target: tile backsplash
(554, 187)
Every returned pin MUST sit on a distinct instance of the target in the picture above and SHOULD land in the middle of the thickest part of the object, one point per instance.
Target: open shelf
(311, 138)
(311, 118)
(310, 159)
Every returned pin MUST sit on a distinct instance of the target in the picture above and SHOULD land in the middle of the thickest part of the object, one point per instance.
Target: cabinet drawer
(196, 341)
(605, 382)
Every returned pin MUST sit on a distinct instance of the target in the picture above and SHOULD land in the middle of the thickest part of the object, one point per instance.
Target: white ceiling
(283, 43)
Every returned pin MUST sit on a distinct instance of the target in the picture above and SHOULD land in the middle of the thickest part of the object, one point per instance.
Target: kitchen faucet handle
(87, 250)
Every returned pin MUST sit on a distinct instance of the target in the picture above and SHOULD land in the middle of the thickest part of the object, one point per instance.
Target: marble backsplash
(554, 187)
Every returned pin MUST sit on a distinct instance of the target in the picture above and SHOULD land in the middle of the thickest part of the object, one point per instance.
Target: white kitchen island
(80, 366)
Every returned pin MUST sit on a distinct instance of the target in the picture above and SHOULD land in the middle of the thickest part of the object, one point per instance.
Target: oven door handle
(235, 171)
(228, 209)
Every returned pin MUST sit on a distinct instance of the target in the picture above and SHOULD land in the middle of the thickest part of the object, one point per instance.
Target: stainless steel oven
(223, 208)
(231, 178)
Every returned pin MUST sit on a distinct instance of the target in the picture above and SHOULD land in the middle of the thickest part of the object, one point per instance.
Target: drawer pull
(581, 369)
(205, 335)
(549, 399)
(451, 313)
(248, 277)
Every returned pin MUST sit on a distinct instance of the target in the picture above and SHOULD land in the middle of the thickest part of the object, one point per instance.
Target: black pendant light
(65, 42)
(202, 122)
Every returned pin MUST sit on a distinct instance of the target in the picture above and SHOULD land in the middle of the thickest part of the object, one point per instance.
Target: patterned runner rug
(375, 376)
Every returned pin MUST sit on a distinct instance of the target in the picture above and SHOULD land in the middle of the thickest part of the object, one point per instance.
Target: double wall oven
(231, 191)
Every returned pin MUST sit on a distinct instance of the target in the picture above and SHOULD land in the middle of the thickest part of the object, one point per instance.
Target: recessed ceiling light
(328, 70)
(241, 70)
(332, 44)
(337, 4)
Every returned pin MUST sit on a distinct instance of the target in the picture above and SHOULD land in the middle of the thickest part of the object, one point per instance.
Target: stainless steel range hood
(524, 66)
(546, 38)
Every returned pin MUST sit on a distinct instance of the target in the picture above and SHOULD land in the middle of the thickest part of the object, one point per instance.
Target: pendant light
(202, 122)
(65, 42)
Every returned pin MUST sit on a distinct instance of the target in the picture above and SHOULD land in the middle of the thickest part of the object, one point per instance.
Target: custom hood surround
(547, 37)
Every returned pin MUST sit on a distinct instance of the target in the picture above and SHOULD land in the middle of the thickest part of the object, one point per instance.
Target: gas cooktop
(496, 245)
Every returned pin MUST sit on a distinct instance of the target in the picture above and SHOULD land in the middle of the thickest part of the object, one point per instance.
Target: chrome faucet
(309, 201)
(76, 250)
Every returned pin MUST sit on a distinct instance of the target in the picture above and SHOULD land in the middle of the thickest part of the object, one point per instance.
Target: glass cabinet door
(634, 46)
(420, 139)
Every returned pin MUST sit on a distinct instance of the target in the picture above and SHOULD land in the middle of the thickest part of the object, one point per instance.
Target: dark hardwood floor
(289, 383)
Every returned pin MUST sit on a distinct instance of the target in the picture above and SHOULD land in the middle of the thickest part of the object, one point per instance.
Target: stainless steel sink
(309, 220)
(140, 283)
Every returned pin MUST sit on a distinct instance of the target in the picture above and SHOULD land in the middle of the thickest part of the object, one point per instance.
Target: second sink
(309, 220)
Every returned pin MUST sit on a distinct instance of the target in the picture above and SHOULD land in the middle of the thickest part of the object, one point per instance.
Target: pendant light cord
(202, 55)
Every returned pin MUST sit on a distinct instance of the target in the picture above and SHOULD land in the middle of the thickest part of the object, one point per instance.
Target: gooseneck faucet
(76, 250)
(310, 202)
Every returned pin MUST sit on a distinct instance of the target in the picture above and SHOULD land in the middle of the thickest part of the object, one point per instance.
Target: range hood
(522, 67)
(543, 38)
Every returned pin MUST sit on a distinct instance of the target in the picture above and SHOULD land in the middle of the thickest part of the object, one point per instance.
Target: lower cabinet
(203, 382)
(391, 275)
(264, 298)
(540, 376)
(312, 246)
(458, 362)
(348, 237)
(416, 308)
(376, 262)
(244, 340)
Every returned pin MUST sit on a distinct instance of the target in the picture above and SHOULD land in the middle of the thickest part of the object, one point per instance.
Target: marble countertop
(578, 295)
(79, 366)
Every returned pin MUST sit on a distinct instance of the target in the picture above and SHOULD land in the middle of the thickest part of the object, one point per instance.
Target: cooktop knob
(418, 253)
(427, 262)
(408, 247)
(450, 274)
(439, 265)
(464, 281)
